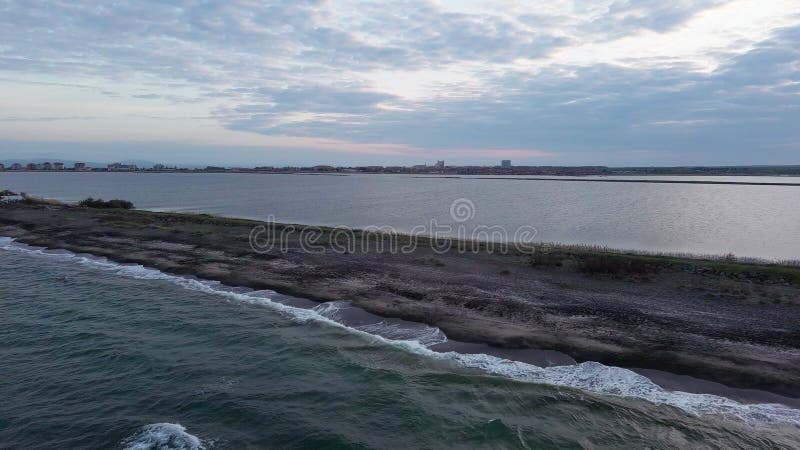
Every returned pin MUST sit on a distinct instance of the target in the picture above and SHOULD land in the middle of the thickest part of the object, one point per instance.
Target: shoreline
(387, 330)
(615, 180)
(675, 315)
(509, 177)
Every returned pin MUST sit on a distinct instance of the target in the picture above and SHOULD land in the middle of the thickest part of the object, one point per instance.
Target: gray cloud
(625, 16)
(292, 68)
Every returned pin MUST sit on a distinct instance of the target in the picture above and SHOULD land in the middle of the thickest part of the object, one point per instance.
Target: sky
(347, 82)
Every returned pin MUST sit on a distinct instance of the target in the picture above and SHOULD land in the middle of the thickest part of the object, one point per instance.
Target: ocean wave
(163, 436)
(588, 376)
(595, 377)
(426, 336)
(392, 329)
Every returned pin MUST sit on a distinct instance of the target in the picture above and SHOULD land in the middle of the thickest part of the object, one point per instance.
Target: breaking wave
(391, 329)
(418, 338)
(163, 436)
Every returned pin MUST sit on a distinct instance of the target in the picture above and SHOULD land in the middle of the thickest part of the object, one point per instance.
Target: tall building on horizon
(505, 163)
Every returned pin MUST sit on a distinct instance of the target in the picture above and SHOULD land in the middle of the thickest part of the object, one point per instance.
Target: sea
(96, 354)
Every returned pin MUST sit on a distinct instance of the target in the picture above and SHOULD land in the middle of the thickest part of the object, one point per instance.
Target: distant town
(505, 167)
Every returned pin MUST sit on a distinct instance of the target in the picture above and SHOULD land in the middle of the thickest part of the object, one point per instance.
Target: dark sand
(738, 325)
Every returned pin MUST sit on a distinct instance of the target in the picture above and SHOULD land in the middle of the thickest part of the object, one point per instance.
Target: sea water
(101, 355)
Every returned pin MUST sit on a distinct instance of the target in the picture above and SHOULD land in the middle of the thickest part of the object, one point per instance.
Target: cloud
(570, 81)
(626, 16)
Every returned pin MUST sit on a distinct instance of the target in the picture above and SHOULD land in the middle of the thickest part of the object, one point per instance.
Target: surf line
(587, 376)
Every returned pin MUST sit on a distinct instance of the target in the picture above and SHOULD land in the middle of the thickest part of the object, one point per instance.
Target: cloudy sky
(241, 82)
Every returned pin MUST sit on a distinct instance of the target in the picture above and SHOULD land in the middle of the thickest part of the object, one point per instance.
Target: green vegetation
(786, 271)
(37, 201)
(615, 265)
(596, 260)
(544, 258)
(110, 204)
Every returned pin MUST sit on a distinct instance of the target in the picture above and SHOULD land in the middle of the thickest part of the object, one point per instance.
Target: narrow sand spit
(687, 317)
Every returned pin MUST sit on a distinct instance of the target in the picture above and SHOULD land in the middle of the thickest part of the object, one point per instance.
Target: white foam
(426, 336)
(329, 310)
(599, 378)
(163, 436)
(588, 376)
(392, 330)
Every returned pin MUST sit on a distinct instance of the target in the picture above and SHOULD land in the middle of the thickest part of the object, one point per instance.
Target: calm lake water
(101, 355)
(755, 221)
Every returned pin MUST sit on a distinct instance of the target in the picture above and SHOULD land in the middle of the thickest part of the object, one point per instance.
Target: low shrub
(100, 203)
(614, 265)
(546, 259)
(37, 201)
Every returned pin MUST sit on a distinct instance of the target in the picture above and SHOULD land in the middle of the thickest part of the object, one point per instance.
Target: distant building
(440, 165)
(31, 166)
(119, 167)
(2, 166)
(47, 166)
(58, 166)
(16, 166)
(369, 168)
(79, 166)
(159, 167)
(505, 163)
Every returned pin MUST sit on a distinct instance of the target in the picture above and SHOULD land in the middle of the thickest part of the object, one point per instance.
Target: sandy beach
(716, 320)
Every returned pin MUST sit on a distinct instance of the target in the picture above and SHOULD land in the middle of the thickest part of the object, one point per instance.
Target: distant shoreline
(618, 180)
(478, 177)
